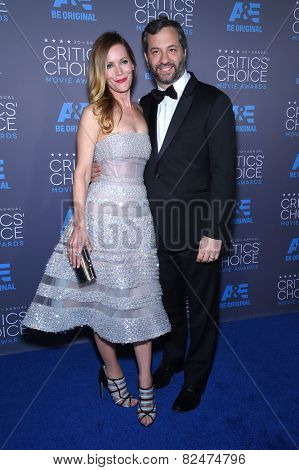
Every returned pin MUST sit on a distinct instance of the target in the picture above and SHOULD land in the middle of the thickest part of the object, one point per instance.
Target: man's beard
(176, 74)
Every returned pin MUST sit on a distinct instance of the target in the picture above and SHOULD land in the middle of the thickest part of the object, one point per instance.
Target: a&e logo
(3, 183)
(235, 295)
(245, 18)
(6, 283)
(245, 118)
(293, 251)
(69, 114)
(294, 173)
(74, 10)
(243, 212)
(67, 218)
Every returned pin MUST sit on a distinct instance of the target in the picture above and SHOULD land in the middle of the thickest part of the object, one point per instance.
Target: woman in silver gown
(112, 219)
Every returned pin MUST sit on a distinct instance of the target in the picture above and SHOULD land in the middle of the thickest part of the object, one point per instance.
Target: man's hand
(209, 250)
(95, 171)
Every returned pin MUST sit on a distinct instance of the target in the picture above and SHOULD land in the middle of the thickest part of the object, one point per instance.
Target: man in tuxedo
(190, 181)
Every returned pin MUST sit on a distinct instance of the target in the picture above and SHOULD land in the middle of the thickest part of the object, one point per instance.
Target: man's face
(165, 56)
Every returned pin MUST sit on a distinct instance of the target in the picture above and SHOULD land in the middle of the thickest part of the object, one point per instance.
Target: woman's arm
(87, 137)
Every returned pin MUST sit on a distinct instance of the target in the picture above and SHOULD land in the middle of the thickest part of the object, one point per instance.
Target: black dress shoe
(188, 399)
(163, 375)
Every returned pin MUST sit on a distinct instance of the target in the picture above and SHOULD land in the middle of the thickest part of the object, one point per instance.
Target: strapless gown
(124, 305)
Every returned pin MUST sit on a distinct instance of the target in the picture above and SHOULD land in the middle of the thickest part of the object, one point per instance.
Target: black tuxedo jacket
(190, 182)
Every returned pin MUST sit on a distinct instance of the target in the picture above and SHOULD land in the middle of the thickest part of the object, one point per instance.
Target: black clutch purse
(85, 273)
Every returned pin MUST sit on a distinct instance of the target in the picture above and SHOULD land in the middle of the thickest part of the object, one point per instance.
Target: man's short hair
(155, 26)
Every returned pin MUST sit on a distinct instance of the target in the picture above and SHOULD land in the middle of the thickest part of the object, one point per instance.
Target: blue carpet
(236, 411)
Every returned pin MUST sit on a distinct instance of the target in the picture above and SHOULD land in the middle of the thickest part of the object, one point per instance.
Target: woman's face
(119, 69)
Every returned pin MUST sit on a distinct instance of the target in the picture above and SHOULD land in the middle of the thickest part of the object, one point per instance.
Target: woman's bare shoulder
(90, 111)
(89, 120)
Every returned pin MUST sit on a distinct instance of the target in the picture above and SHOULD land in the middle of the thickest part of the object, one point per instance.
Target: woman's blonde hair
(98, 91)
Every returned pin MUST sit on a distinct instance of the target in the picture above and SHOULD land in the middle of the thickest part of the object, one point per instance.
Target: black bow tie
(159, 95)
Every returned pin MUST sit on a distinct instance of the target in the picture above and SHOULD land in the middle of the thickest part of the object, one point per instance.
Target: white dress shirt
(167, 108)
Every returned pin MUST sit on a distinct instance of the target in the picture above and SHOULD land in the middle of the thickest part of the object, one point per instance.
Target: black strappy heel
(117, 387)
(146, 405)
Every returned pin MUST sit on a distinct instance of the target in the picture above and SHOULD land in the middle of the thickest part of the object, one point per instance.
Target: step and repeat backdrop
(250, 50)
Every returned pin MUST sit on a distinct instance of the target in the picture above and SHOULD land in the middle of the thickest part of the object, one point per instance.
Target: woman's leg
(113, 370)
(143, 352)
(108, 353)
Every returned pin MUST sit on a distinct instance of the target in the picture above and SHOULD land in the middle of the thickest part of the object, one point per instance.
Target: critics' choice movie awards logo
(293, 250)
(73, 10)
(289, 209)
(8, 118)
(235, 295)
(62, 167)
(295, 23)
(11, 327)
(181, 11)
(292, 119)
(3, 12)
(242, 214)
(288, 289)
(11, 227)
(245, 18)
(246, 70)
(243, 255)
(6, 280)
(245, 118)
(4, 183)
(294, 173)
(66, 62)
(69, 116)
(249, 169)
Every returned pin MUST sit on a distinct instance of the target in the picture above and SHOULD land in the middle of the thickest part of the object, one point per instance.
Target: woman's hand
(77, 240)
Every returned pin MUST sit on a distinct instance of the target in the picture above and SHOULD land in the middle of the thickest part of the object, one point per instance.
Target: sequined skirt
(124, 305)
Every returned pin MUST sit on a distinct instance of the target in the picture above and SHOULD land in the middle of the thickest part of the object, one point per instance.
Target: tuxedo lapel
(152, 126)
(179, 114)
